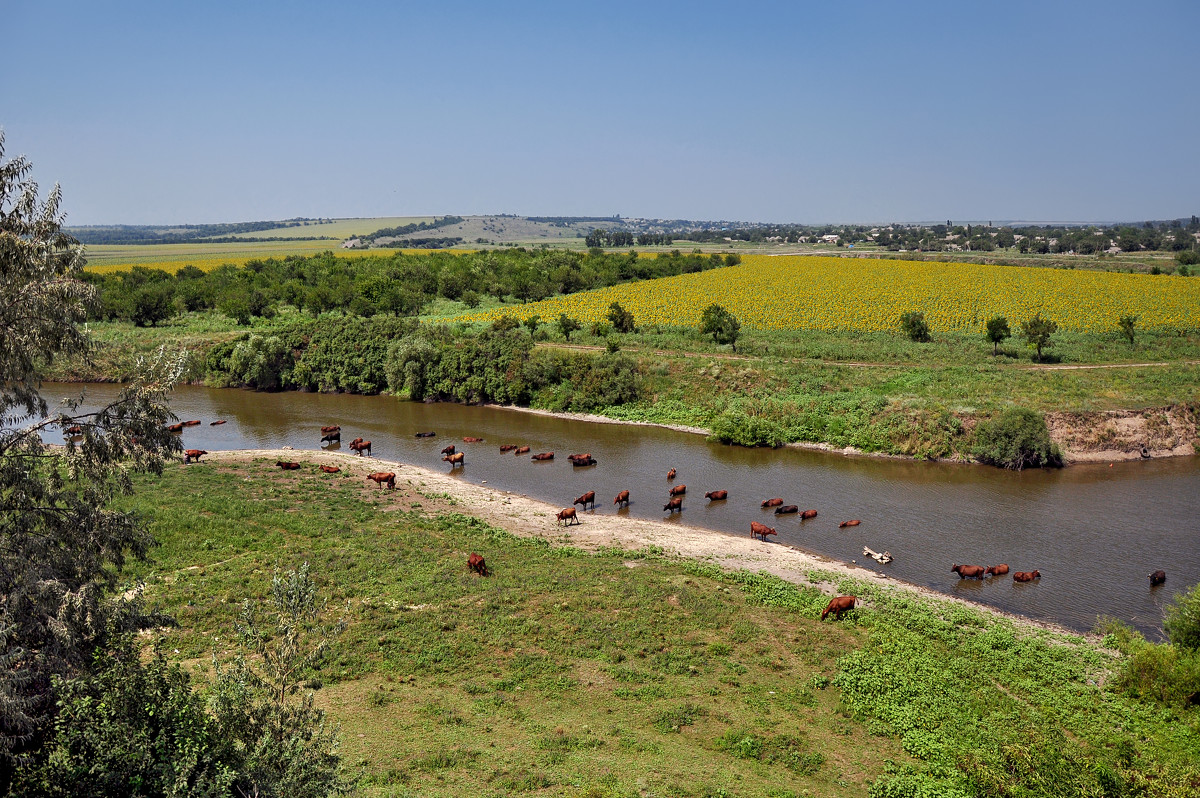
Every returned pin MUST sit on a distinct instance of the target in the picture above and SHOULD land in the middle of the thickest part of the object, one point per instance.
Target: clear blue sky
(847, 111)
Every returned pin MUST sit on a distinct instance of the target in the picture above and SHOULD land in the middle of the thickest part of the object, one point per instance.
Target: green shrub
(1016, 439)
(1182, 621)
(734, 426)
(913, 325)
(260, 362)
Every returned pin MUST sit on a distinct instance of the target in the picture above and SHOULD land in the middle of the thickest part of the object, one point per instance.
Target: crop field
(171, 258)
(337, 228)
(818, 293)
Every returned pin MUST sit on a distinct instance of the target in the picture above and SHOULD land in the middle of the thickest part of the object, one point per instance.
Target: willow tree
(61, 549)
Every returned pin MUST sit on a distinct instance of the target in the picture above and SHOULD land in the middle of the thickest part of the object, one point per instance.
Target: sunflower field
(826, 293)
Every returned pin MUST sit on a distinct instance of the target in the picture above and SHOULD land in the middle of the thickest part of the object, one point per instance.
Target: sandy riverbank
(526, 517)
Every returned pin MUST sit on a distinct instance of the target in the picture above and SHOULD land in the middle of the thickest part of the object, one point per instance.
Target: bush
(1182, 621)
(1016, 439)
(260, 362)
(620, 318)
(1188, 257)
(913, 325)
(734, 426)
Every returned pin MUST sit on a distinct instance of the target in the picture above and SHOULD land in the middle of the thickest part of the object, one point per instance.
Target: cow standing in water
(717, 495)
(1157, 578)
(622, 499)
(969, 571)
(674, 505)
(772, 503)
(758, 530)
(586, 499)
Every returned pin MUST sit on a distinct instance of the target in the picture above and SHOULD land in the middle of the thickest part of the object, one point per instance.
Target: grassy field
(616, 673)
(338, 228)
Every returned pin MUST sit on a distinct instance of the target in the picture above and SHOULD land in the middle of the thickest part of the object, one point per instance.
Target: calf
(521, 450)
(328, 469)
(838, 605)
(193, 454)
(476, 564)
(1026, 576)
(543, 456)
(787, 509)
(287, 466)
(968, 571)
(807, 514)
(455, 460)
(758, 530)
(674, 505)
(567, 514)
(997, 570)
(622, 499)
(852, 522)
(449, 449)
(717, 495)
(586, 499)
(507, 447)
(1157, 578)
(771, 503)
(671, 474)
(678, 490)
(382, 477)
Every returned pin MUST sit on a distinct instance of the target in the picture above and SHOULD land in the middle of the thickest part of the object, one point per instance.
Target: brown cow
(476, 564)
(997, 570)
(591, 461)
(968, 571)
(287, 466)
(193, 454)
(455, 460)
(332, 437)
(671, 474)
(175, 427)
(508, 447)
(852, 522)
(449, 449)
(758, 530)
(807, 514)
(838, 605)
(772, 503)
(195, 423)
(567, 514)
(356, 440)
(622, 498)
(1026, 576)
(362, 446)
(787, 509)
(717, 495)
(328, 469)
(216, 423)
(331, 428)
(543, 456)
(678, 490)
(380, 477)
(587, 498)
(1157, 578)
(472, 440)
(579, 456)
(674, 505)
(426, 434)
(75, 430)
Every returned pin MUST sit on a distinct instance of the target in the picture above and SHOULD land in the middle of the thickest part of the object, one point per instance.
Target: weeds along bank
(617, 672)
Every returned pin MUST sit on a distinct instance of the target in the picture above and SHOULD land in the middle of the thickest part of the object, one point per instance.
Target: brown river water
(1094, 532)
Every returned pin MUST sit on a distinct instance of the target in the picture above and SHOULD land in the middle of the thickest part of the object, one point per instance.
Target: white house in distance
(832, 238)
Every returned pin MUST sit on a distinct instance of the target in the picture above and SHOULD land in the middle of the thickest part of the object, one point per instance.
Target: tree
(1037, 332)
(567, 325)
(1016, 439)
(260, 361)
(722, 325)
(1182, 619)
(621, 319)
(997, 332)
(915, 327)
(1128, 324)
(61, 549)
(532, 323)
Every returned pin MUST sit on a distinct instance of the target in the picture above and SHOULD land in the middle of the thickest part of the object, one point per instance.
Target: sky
(850, 111)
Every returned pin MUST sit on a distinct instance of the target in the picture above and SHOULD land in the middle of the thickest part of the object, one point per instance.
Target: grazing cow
(586, 499)
(195, 423)
(476, 564)
(591, 461)
(543, 456)
(521, 450)
(287, 466)
(175, 427)
(968, 571)
(771, 503)
(508, 447)
(807, 514)
(362, 446)
(1157, 578)
(426, 434)
(852, 522)
(674, 505)
(678, 490)
(380, 477)
(75, 430)
(567, 514)
(331, 428)
(574, 457)
(997, 570)
(216, 423)
(671, 474)
(472, 440)
(1026, 576)
(449, 449)
(328, 469)
(455, 460)
(717, 495)
(787, 509)
(838, 605)
(193, 454)
(622, 499)
(333, 437)
(758, 530)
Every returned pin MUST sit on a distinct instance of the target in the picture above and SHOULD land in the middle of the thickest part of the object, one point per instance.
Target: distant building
(832, 238)
(353, 243)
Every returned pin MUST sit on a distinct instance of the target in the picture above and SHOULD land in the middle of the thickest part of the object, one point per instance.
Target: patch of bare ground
(1113, 435)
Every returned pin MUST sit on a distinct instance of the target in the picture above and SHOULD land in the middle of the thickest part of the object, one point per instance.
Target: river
(1095, 532)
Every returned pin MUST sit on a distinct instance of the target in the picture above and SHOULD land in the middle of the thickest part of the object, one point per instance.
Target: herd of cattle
(568, 515)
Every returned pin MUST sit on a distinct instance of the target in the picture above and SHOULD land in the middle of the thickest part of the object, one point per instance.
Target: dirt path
(526, 517)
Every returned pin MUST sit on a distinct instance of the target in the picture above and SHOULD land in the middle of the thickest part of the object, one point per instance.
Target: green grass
(572, 673)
